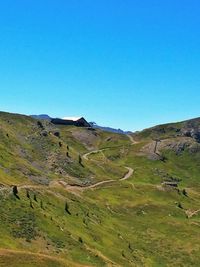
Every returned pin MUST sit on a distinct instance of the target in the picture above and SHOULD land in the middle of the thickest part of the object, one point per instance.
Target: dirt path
(85, 156)
(64, 262)
(190, 214)
(100, 183)
(54, 184)
(5, 188)
(133, 142)
(128, 175)
(81, 188)
(109, 263)
(77, 187)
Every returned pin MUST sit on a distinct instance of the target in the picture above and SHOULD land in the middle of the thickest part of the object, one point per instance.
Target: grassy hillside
(75, 203)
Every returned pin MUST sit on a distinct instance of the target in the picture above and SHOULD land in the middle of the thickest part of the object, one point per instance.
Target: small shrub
(57, 134)
(40, 125)
(28, 194)
(15, 190)
(31, 204)
(41, 205)
(80, 240)
(85, 222)
(129, 247)
(35, 198)
(180, 206)
(80, 160)
(67, 208)
(185, 193)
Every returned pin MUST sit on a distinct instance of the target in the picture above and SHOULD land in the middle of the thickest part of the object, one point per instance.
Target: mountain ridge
(93, 124)
(77, 196)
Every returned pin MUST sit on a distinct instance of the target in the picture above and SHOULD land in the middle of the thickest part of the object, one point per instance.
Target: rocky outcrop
(154, 149)
(177, 137)
(193, 132)
(177, 145)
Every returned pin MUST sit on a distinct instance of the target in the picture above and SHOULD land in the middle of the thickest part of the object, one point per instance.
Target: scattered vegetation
(141, 221)
(67, 208)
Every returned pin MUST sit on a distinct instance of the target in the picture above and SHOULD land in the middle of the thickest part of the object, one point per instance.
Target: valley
(78, 196)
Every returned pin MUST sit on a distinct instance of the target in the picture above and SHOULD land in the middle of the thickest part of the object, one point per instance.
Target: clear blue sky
(123, 63)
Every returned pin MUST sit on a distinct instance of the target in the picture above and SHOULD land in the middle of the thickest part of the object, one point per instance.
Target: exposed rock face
(191, 129)
(192, 132)
(152, 151)
(178, 145)
(177, 137)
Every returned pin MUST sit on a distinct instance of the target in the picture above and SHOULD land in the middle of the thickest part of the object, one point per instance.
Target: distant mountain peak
(93, 124)
(42, 117)
(108, 129)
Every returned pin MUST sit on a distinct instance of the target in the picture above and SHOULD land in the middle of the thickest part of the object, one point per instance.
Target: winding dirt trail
(40, 256)
(76, 187)
(70, 187)
(128, 175)
(85, 156)
(81, 187)
(190, 214)
(10, 187)
(133, 142)
(125, 177)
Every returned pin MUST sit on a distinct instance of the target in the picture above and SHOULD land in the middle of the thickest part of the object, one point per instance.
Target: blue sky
(123, 63)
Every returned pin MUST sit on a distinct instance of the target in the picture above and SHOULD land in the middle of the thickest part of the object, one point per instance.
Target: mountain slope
(86, 197)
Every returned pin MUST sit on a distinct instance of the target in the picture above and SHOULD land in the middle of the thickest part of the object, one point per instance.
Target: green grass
(137, 222)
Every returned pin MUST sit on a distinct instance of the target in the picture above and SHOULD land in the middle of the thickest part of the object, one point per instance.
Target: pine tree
(67, 208)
